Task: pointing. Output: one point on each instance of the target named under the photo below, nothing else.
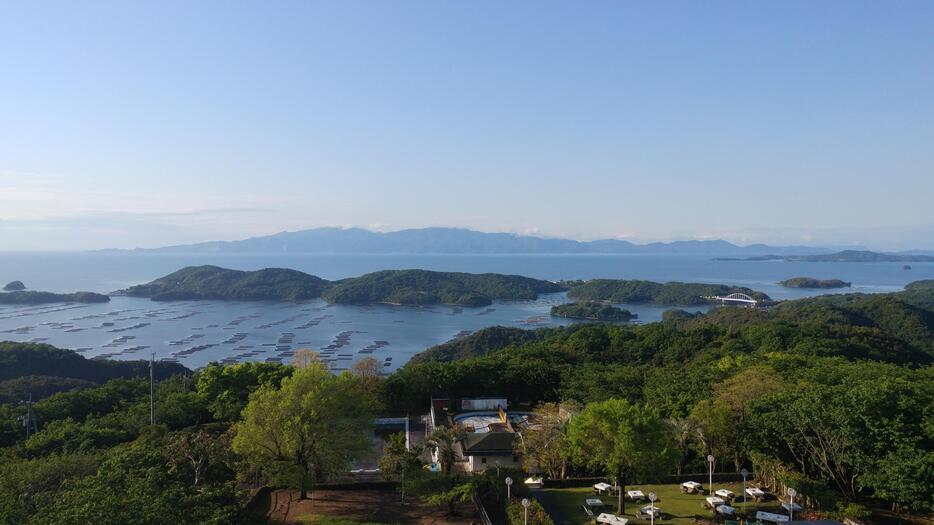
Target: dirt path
(375, 506)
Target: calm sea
(197, 332)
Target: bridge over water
(735, 299)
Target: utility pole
(152, 390)
(29, 420)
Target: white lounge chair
(611, 519)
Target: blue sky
(142, 124)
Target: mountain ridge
(459, 241)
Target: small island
(620, 291)
(843, 256)
(810, 282)
(215, 283)
(592, 311)
(32, 297)
(14, 286)
(424, 287)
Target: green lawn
(677, 508)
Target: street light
(710, 460)
(526, 503)
(508, 488)
(652, 498)
(744, 473)
(791, 505)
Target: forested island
(861, 256)
(14, 286)
(34, 297)
(810, 282)
(423, 287)
(213, 282)
(751, 386)
(842, 256)
(592, 311)
(673, 293)
(403, 287)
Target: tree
(683, 430)
(442, 442)
(311, 427)
(544, 445)
(226, 389)
(626, 440)
(720, 421)
(369, 372)
(401, 463)
(305, 358)
(452, 490)
(197, 449)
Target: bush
(849, 510)
(515, 513)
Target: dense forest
(593, 311)
(417, 287)
(674, 293)
(831, 394)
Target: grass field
(676, 508)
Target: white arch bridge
(737, 299)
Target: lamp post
(497, 468)
(402, 467)
(508, 488)
(744, 473)
(652, 498)
(710, 460)
(791, 505)
(525, 504)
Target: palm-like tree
(442, 442)
(683, 430)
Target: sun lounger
(724, 493)
(611, 519)
(725, 510)
(692, 487)
(757, 493)
(712, 502)
(770, 517)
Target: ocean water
(197, 332)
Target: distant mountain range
(456, 240)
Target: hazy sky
(124, 124)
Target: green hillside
(593, 311)
(673, 293)
(212, 282)
(34, 297)
(423, 287)
(810, 282)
